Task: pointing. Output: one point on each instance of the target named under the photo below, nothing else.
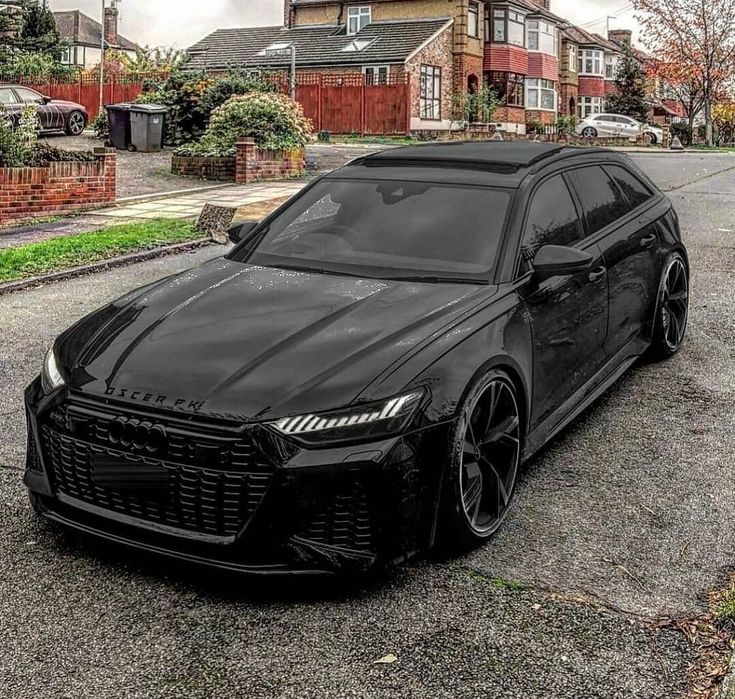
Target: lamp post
(281, 51)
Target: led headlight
(371, 420)
(51, 376)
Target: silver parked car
(617, 126)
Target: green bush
(231, 85)
(566, 126)
(101, 125)
(534, 127)
(273, 121)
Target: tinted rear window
(603, 202)
(636, 191)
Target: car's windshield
(386, 229)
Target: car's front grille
(342, 519)
(208, 482)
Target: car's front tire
(589, 132)
(76, 122)
(672, 310)
(650, 138)
(485, 447)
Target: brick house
(540, 65)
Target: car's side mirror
(239, 232)
(559, 260)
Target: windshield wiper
(434, 279)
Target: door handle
(597, 274)
(648, 241)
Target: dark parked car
(53, 115)
(369, 367)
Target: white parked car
(617, 126)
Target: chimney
(111, 17)
(287, 14)
(623, 37)
(545, 4)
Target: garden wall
(59, 188)
(206, 168)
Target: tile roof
(581, 37)
(78, 28)
(316, 45)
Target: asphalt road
(628, 516)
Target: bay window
(543, 37)
(540, 94)
(588, 106)
(509, 87)
(591, 62)
(430, 103)
(505, 26)
(357, 18)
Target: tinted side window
(552, 220)
(602, 200)
(636, 192)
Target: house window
(66, 55)
(572, 58)
(543, 37)
(358, 45)
(611, 66)
(510, 88)
(508, 27)
(376, 75)
(540, 94)
(588, 106)
(591, 62)
(357, 18)
(430, 106)
(473, 21)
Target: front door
(568, 314)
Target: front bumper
(260, 505)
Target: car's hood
(64, 104)
(256, 342)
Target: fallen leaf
(386, 660)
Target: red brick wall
(506, 58)
(59, 188)
(568, 92)
(510, 115)
(542, 65)
(437, 53)
(591, 87)
(253, 164)
(547, 118)
(206, 168)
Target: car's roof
(495, 162)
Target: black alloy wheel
(486, 454)
(75, 124)
(673, 310)
(589, 132)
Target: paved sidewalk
(191, 205)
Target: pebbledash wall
(58, 188)
(251, 164)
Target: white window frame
(596, 57)
(377, 76)
(356, 17)
(430, 92)
(544, 35)
(589, 106)
(536, 89)
(573, 67)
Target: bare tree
(696, 35)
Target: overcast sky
(181, 23)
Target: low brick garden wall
(58, 188)
(218, 169)
(251, 164)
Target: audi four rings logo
(138, 435)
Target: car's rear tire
(76, 122)
(672, 310)
(485, 447)
(650, 139)
(589, 132)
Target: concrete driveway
(628, 517)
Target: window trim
(376, 68)
(541, 88)
(540, 28)
(573, 59)
(509, 16)
(358, 12)
(473, 10)
(436, 75)
(582, 103)
(499, 78)
(593, 55)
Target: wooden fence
(340, 104)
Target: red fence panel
(386, 109)
(342, 109)
(309, 96)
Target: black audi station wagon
(369, 367)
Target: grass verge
(65, 252)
